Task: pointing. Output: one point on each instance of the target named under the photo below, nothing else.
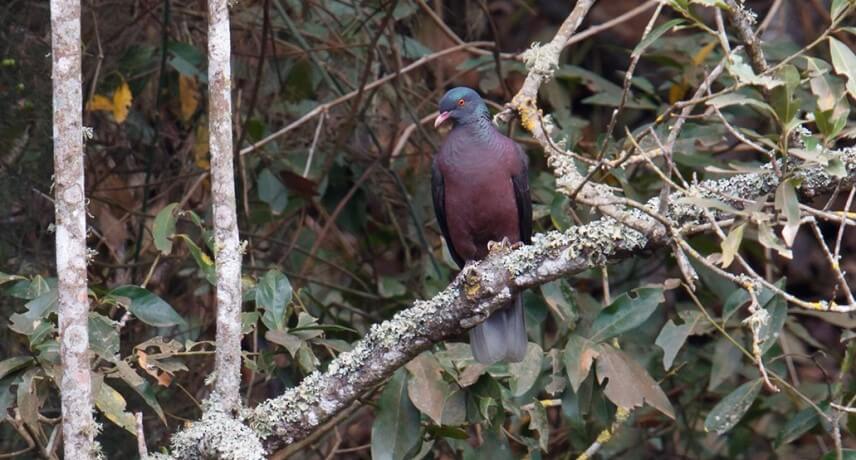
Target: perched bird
(480, 189)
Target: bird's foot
(501, 246)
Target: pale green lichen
(217, 435)
(542, 59)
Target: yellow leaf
(188, 93)
(677, 91)
(122, 102)
(99, 102)
(200, 147)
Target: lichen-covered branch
(742, 18)
(226, 243)
(78, 427)
(485, 286)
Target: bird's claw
(502, 246)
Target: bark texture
(226, 243)
(78, 428)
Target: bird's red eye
(461, 102)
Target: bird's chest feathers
(480, 198)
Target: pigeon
(480, 189)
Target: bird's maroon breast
(480, 207)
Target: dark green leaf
(846, 454)
(203, 261)
(526, 372)
(625, 313)
(732, 408)
(272, 191)
(37, 313)
(164, 228)
(654, 34)
(726, 362)
(7, 366)
(396, 433)
(103, 338)
(672, 338)
(148, 307)
(798, 425)
(273, 294)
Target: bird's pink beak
(441, 118)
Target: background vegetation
(333, 102)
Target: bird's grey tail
(502, 336)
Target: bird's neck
(478, 128)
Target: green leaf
(6, 396)
(112, 404)
(396, 433)
(526, 372)
(628, 384)
(141, 386)
(538, 422)
(782, 96)
(559, 297)
(714, 3)
(148, 307)
(203, 261)
(164, 228)
(273, 294)
(103, 338)
(731, 244)
(654, 34)
(777, 308)
(798, 425)
(844, 62)
(672, 337)
(578, 356)
(389, 287)
(37, 312)
(837, 8)
(5, 278)
(10, 365)
(730, 99)
(743, 72)
(788, 204)
(726, 362)
(625, 313)
(272, 191)
(732, 408)
(846, 454)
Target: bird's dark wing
(438, 193)
(521, 195)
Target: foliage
(339, 230)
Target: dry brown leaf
(628, 384)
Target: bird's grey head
(463, 106)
